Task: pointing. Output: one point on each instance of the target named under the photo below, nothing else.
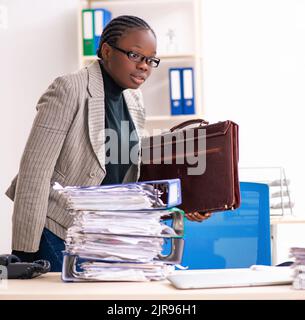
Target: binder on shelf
(182, 91)
(175, 82)
(87, 28)
(101, 19)
(188, 90)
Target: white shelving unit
(182, 17)
(281, 203)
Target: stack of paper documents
(112, 197)
(117, 235)
(118, 232)
(299, 267)
(126, 271)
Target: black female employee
(68, 141)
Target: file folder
(123, 245)
(101, 18)
(171, 191)
(162, 194)
(188, 91)
(71, 271)
(175, 82)
(87, 28)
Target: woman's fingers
(196, 216)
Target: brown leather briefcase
(205, 158)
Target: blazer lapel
(96, 112)
(138, 119)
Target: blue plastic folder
(101, 19)
(188, 90)
(176, 100)
(182, 91)
(170, 191)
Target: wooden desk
(51, 287)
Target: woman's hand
(196, 216)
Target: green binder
(88, 34)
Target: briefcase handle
(187, 123)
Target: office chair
(232, 239)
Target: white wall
(254, 74)
(39, 44)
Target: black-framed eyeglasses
(138, 57)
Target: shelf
(179, 16)
(286, 219)
(89, 57)
(179, 118)
(183, 19)
(179, 56)
(120, 3)
(162, 57)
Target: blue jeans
(50, 248)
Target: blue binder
(170, 190)
(176, 99)
(101, 18)
(188, 90)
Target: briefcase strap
(187, 123)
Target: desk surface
(51, 287)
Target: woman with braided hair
(71, 140)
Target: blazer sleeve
(56, 109)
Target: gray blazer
(67, 145)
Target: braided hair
(117, 27)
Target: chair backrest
(232, 239)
